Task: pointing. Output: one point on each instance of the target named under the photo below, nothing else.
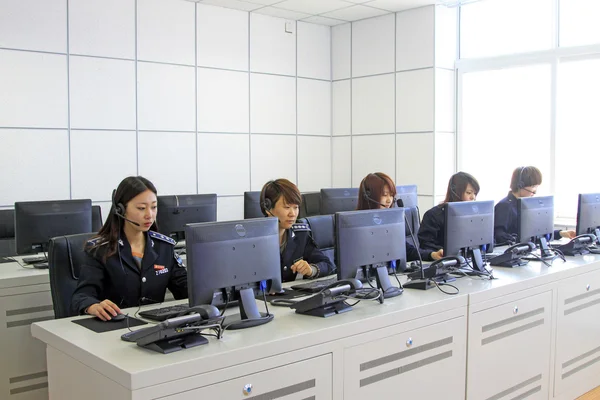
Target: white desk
(24, 298)
(548, 349)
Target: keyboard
(161, 314)
(34, 259)
(314, 286)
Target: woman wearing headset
(524, 183)
(377, 190)
(461, 187)
(299, 253)
(128, 263)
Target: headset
(520, 183)
(120, 209)
(453, 185)
(267, 203)
(367, 191)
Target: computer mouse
(206, 311)
(118, 317)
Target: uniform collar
(150, 253)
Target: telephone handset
(521, 248)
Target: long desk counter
(532, 333)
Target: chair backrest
(323, 231)
(96, 218)
(311, 204)
(412, 218)
(252, 205)
(65, 258)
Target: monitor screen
(469, 230)
(588, 214)
(337, 200)
(252, 205)
(370, 238)
(535, 223)
(238, 254)
(408, 194)
(174, 212)
(38, 221)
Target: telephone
(330, 300)
(512, 255)
(578, 245)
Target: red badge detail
(158, 267)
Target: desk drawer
(422, 363)
(308, 379)
(577, 363)
(509, 349)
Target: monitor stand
(545, 252)
(249, 315)
(383, 282)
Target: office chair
(252, 205)
(7, 233)
(65, 258)
(311, 204)
(412, 218)
(96, 218)
(323, 231)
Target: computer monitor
(469, 230)
(337, 200)
(238, 255)
(311, 204)
(38, 221)
(252, 205)
(588, 214)
(367, 241)
(536, 221)
(408, 194)
(174, 212)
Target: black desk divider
(99, 326)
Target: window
(498, 27)
(579, 22)
(505, 123)
(577, 133)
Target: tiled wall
(393, 99)
(199, 99)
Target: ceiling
(324, 12)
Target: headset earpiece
(119, 207)
(520, 183)
(267, 204)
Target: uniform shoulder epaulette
(300, 228)
(96, 241)
(160, 236)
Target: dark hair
(524, 177)
(111, 230)
(272, 191)
(458, 184)
(372, 187)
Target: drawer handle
(516, 310)
(409, 342)
(248, 389)
(587, 288)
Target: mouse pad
(99, 326)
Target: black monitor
(174, 212)
(337, 200)
(234, 254)
(535, 221)
(38, 221)
(408, 194)
(252, 205)
(588, 214)
(367, 241)
(311, 204)
(7, 224)
(469, 231)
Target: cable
(445, 284)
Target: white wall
(199, 99)
(393, 99)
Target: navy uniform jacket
(301, 244)
(127, 285)
(412, 253)
(506, 220)
(431, 232)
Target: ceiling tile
(312, 6)
(399, 5)
(235, 4)
(316, 19)
(354, 13)
(265, 2)
(281, 13)
(358, 1)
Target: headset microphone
(126, 219)
(120, 209)
(374, 201)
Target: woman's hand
(436, 255)
(104, 310)
(569, 234)
(302, 267)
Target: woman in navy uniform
(128, 263)
(461, 187)
(524, 183)
(299, 253)
(377, 190)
